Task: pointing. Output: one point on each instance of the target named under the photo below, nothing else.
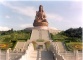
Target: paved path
(41, 55)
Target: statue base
(42, 27)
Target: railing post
(76, 54)
(7, 54)
(0, 54)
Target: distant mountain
(54, 30)
(28, 28)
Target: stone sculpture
(40, 18)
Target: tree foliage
(74, 32)
(71, 34)
(14, 35)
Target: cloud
(27, 11)
(26, 25)
(1, 1)
(7, 16)
(76, 5)
(20, 18)
(30, 11)
(52, 16)
(4, 28)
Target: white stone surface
(26, 56)
(40, 34)
(35, 34)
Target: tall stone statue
(40, 18)
(40, 14)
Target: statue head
(40, 8)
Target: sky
(61, 15)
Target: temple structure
(40, 18)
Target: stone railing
(54, 50)
(10, 55)
(67, 55)
(26, 56)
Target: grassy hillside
(72, 38)
(11, 37)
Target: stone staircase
(20, 46)
(33, 55)
(60, 47)
(41, 55)
(47, 55)
(62, 54)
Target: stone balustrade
(67, 55)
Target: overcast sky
(21, 14)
